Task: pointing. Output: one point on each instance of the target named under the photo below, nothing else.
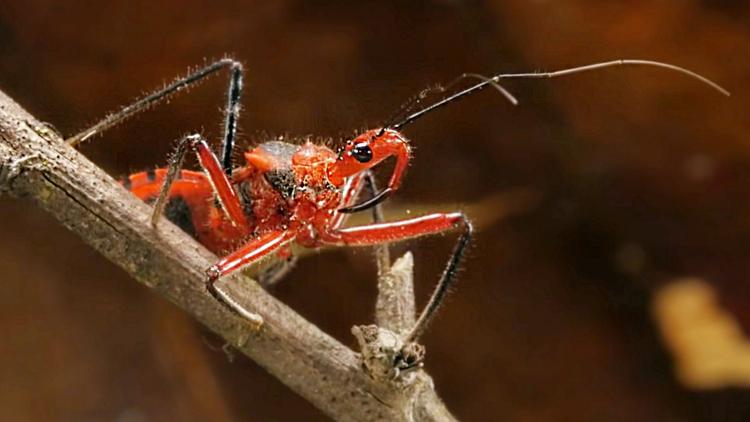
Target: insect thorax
(289, 186)
(281, 177)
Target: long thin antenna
(492, 81)
(441, 89)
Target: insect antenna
(376, 199)
(493, 81)
(441, 89)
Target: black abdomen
(178, 212)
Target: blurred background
(610, 279)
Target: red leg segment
(230, 202)
(217, 178)
(373, 234)
(251, 252)
(348, 195)
(355, 185)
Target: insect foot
(386, 357)
(410, 357)
(212, 276)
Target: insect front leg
(351, 192)
(375, 234)
(382, 254)
(364, 181)
(231, 110)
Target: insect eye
(362, 152)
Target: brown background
(550, 320)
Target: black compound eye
(362, 152)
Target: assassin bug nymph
(287, 193)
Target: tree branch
(37, 164)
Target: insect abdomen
(190, 205)
(178, 212)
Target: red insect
(286, 193)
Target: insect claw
(409, 358)
(212, 275)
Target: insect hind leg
(232, 108)
(396, 231)
(445, 282)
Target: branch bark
(395, 309)
(37, 164)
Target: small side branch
(395, 309)
(36, 163)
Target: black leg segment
(444, 284)
(231, 112)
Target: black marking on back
(246, 197)
(151, 175)
(282, 180)
(178, 212)
(126, 182)
(281, 151)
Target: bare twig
(36, 163)
(395, 309)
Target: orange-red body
(265, 204)
(281, 187)
(284, 193)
